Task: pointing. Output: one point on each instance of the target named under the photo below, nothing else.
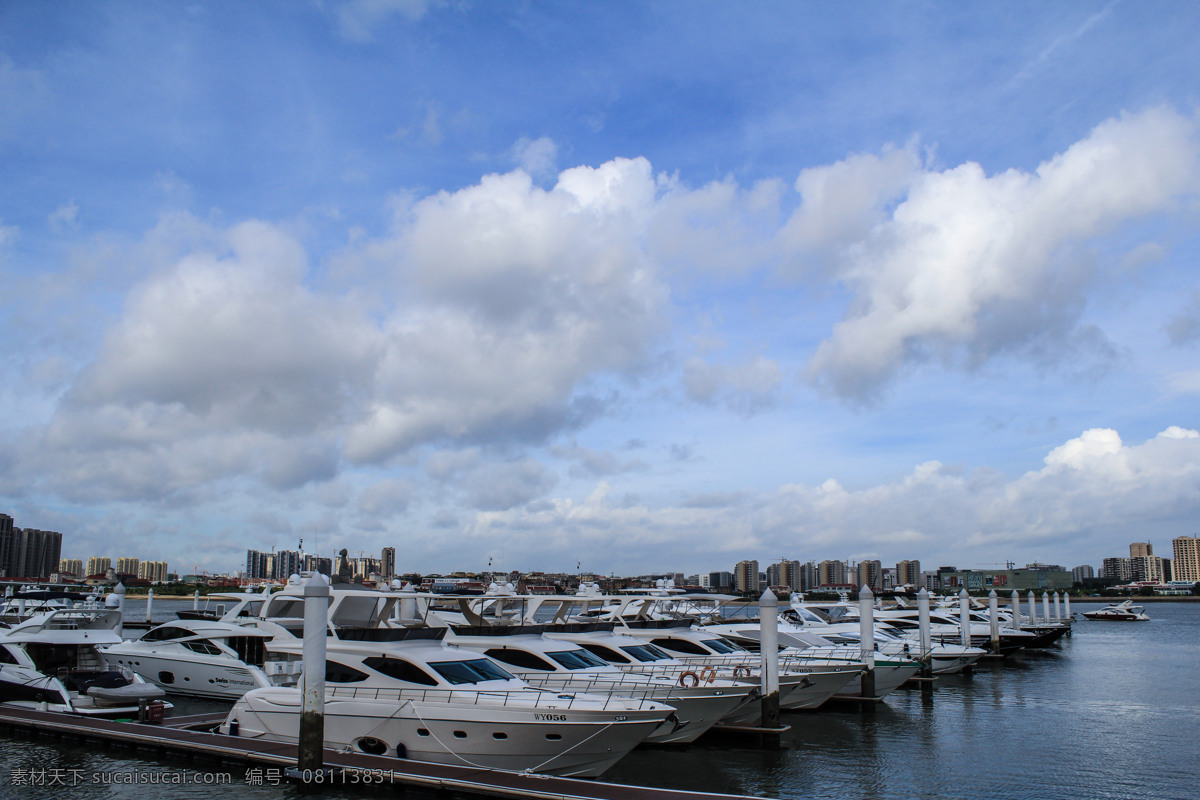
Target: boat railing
(518, 698)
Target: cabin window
(473, 671)
(400, 669)
(203, 647)
(723, 647)
(520, 659)
(681, 646)
(577, 659)
(646, 652)
(166, 633)
(340, 673)
(7, 657)
(607, 653)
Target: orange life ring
(689, 674)
(707, 674)
(741, 671)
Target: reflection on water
(1113, 712)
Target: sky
(619, 288)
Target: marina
(1112, 706)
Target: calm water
(1113, 712)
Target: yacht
(199, 658)
(1125, 611)
(51, 662)
(406, 693)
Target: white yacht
(50, 661)
(199, 658)
(1121, 612)
(405, 693)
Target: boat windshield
(577, 659)
(646, 652)
(473, 671)
(724, 647)
(808, 615)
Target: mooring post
(1046, 606)
(926, 642)
(1058, 607)
(964, 617)
(994, 614)
(1032, 598)
(1067, 599)
(196, 600)
(1016, 610)
(312, 716)
(866, 635)
(119, 591)
(768, 614)
(149, 606)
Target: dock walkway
(177, 736)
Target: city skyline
(636, 286)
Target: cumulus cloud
(745, 388)
(1092, 490)
(965, 265)
(522, 293)
(537, 157)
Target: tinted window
(201, 646)
(681, 646)
(722, 646)
(474, 671)
(646, 652)
(520, 658)
(400, 669)
(577, 659)
(165, 634)
(607, 653)
(340, 673)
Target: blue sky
(637, 286)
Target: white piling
(768, 615)
(1067, 603)
(923, 623)
(1046, 606)
(1057, 607)
(1016, 610)
(119, 591)
(994, 619)
(866, 633)
(149, 606)
(312, 717)
(964, 617)
(196, 600)
(1032, 598)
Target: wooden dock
(180, 736)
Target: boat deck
(179, 735)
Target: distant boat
(1120, 612)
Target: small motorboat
(1120, 612)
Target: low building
(1007, 580)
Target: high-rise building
(72, 567)
(1082, 572)
(286, 564)
(832, 573)
(28, 553)
(1118, 568)
(720, 581)
(98, 565)
(810, 576)
(745, 576)
(908, 573)
(387, 564)
(870, 574)
(257, 566)
(153, 571)
(128, 565)
(1186, 550)
(1140, 550)
(785, 573)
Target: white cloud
(746, 388)
(537, 157)
(64, 218)
(358, 19)
(968, 265)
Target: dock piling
(768, 611)
(866, 634)
(312, 713)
